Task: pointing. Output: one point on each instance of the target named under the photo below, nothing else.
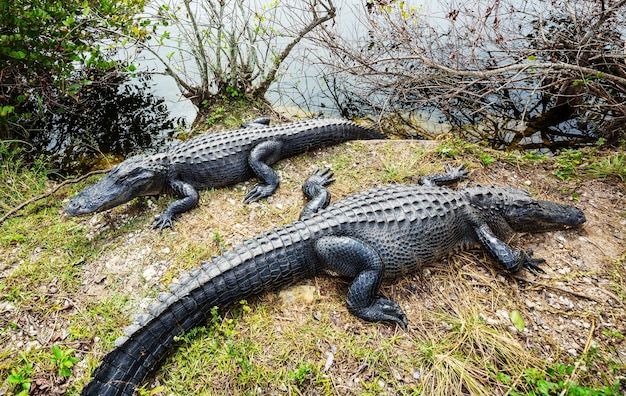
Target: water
(124, 117)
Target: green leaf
(517, 320)
(56, 351)
(532, 57)
(18, 54)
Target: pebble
(149, 273)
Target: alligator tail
(367, 133)
(268, 262)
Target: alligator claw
(164, 221)
(456, 172)
(321, 177)
(258, 192)
(453, 174)
(383, 309)
(532, 264)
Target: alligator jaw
(132, 178)
(97, 198)
(538, 216)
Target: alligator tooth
(120, 340)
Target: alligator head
(523, 213)
(132, 178)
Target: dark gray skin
(380, 233)
(214, 160)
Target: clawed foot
(532, 264)
(453, 174)
(164, 220)
(456, 172)
(383, 309)
(259, 191)
(319, 178)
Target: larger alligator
(380, 233)
(213, 160)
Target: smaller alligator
(214, 160)
(380, 233)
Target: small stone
(149, 273)
(301, 293)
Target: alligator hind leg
(351, 257)
(314, 188)
(261, 157)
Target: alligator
(214, 160)
(380, 233)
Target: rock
(302, 294)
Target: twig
(55, 189)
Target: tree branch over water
(231, 57)
(506, 71)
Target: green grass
(613, 165)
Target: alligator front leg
(261, 157)
(351, 257)
(512, 259)
(452, 175)
(314, 188)
(189, 201)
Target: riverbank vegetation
(51, 50)
(526, 74)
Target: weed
(301, 373)
(20, 379)
(216, 115)
(486, 159)
(613, 334)
(612, 166)
(568, 163)
(556, 380)
(64, 360)
(451, 148)
(528, 157)
(21, 180)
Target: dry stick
(30, 201)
